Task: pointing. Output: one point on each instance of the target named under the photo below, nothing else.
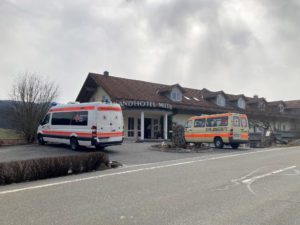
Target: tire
(235, 145)
(99, 147)
(74, 144)
(40, 139)
(218, 142)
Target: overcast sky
(239, 46)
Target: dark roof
(255, 100)
(117, 88)
(168, 88)
(293, 104)
(276, 103)
(210, 94)
(233, 98)
(193, 99)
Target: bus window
(217, 122)
(244, 122)
(199, 123)
(236, 121)
(189, 124)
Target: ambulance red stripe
(68, 109)
(109, 108)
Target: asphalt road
(128, 153)
(245, 187)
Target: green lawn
(9, 134)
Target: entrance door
(147, 128)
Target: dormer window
(241, 103)
(221, 101)
(281, 108)
(261, 106)
(176, 95)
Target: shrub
(42, 168)
(178, 136)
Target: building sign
(144, 104)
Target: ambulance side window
(45, 120)
(80, 118)
(61, 118)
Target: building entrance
(148, 128)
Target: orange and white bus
(220, 129)
(96, 124)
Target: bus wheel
(74, 143)
(235, 145)
(40, 139)
(218, 142)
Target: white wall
(279, 125)
(180, 119)
(99, 95)
(288, 125)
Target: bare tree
(31, 97)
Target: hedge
(42, 168)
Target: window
(241, 103)
(130, 127)
(236, 121)
(244, 122)
(281, 108)
(80, 118)
(189, 124)
(62, 118)
(217, 122)
(156, 128)
(199, 123)
(45, 120)
(221, 100)
(261, 106)
(176, 95)
(139, 127)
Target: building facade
(151, 109)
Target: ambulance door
(104, 124)
(188, 131)
(236, 126)
(244, 127)
(199, 130)
(116, 121)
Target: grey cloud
(198, 43)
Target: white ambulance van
(96, 124)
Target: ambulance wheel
(235, 145)
(40, 139)
(99, 147)
(218, 142)
(74, 144)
